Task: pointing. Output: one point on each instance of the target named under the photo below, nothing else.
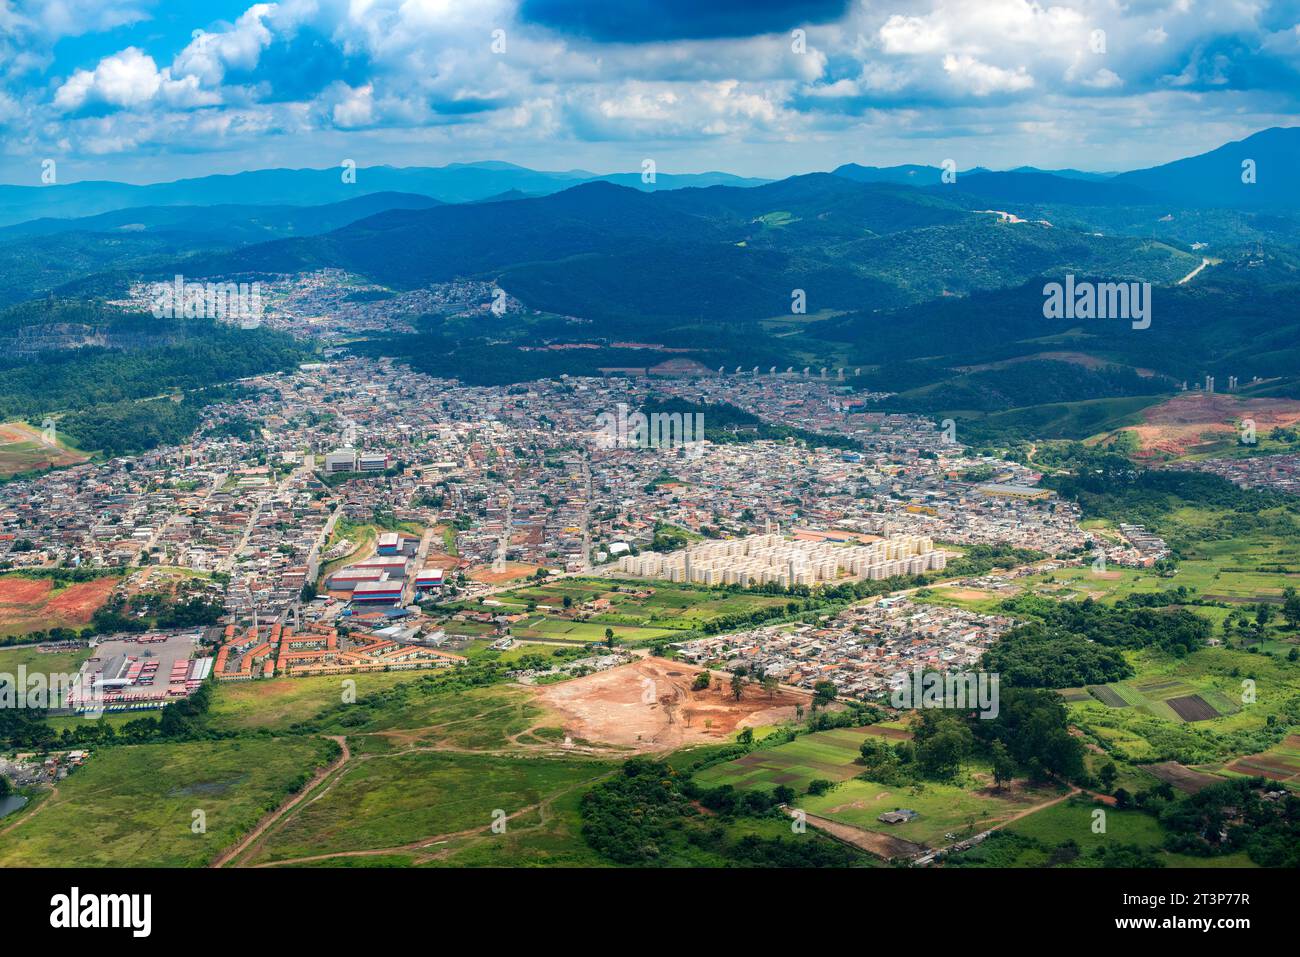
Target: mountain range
(934, 287)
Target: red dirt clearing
(79, 602)
(648, 705)
(1179, 425)
(24, 591)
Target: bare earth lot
(31, 604)
(648, 705)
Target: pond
(14, 802)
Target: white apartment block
(761, 559)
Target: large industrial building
(767, 558)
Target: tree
(942, 743)
(1004, 766)
(609, 638)
(1291, 606)
(1107, 775)
(737, 685)
(702, 681)
(770, 684)
(823, 694)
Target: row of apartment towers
(761, 559)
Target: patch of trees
(192, 354)
(1235, 816)
(1120, 626)
(649, 815)
(1029, 736)
(1123, 492)
(1033, 656)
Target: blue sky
(151, 90)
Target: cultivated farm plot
(1280, 763)
(1183, 778)
(1163, 697)
(828, 755)
(1074, 695)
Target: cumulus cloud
(507, 74)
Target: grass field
(133, 806)
(1075, 820)
(387, 801)
(280, 702)
(668, 611)
(27, 656)
(942, 809)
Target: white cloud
(124, 79)
(982, 79)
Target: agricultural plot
(1074, 695)
(1176, 775)
(1280, 763)
(134, 806)
(828, 755)
(1167, 698)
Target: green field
(828, 755)
(387, 801)
(670, 610)
(280, 702)
(55, 662)
(134, 806)
(942, 809)
(1075, 821)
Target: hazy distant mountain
(456, 183)
(1039, 188)
(908, 175)
(1215, 178)
(1063, 173)
(228, 223)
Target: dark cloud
(645, 21)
